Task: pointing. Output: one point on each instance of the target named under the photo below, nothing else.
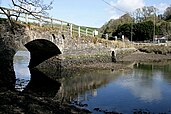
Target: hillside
(145, 24)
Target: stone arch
(41, 50)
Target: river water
(22, 72)
(145, 89)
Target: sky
(95, 13)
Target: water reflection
(148, 80)
(145, 88)
(84, 81)
(22, 72)
(142, 85)
(41, 85)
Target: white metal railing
(46, 21)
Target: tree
(165, 28)
(143, 31)
(167, 13)
(113, 24)
(8, 46)
(31, 7)
(124, 29)
(137, 14)
(145, 13)
(148, 11)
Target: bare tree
(31, 7)
(144, 13)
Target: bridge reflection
(68, 88)
(84, 81)
(40, 85)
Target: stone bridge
(52, 32)
(46, 43)
(42, 45)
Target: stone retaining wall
(64, 66)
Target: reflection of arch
(41, 85)
(41, 50)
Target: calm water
(146, 88)
(21, 62)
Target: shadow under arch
(41, 50)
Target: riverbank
(142, 57)
(124, 61)
(13, 102)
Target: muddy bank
(18, 103)
(125, 60)
(66, 65)
(142, 56)
(36, 98)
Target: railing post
(8, 11)
(61, 25)
(86, 31)
(26, 18)
(71, 30)
(51, 22)
(40, 21)
(93, 33)
(79, 32)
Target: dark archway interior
(41, 50)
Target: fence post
(26, 18)
(93, 33)
(61, 26)
(51, 22)
(71, 30)
(86, 31)
(79, 32)
(8, 11)
(40, 21)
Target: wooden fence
(46, 21)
